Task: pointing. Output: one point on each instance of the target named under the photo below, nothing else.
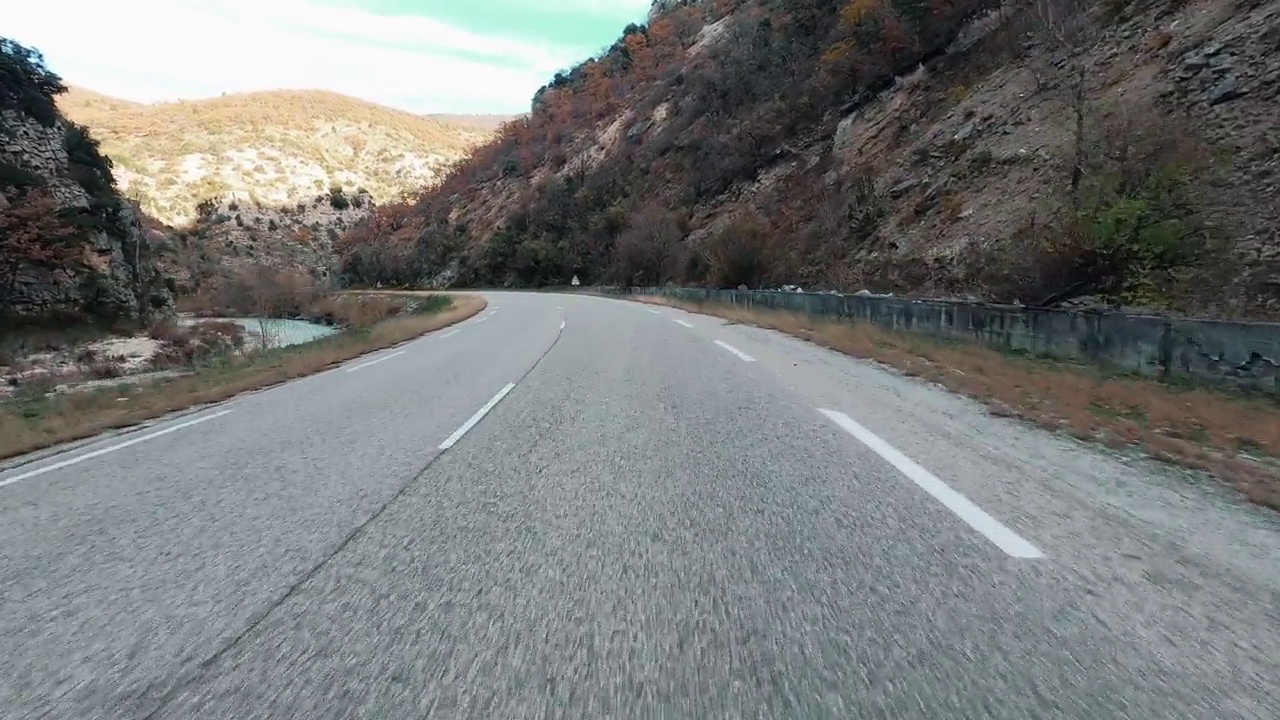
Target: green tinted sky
(454, 56)
(586, 26)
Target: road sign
(576, 282)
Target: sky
(424, 56)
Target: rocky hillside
(1043, 151)
(70, 247)
(231, 238)
(268, 148)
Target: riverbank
(207, 368)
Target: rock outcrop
(233, 235)
(1030, 152)
(661, 7)
(71, 247)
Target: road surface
(578, 507)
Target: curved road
(576, 507)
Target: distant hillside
(85, 103)
(269, 148)
(484, 122)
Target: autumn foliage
(34, 236)
(620, 151)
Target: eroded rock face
(27, 143)
(115, 275)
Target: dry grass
(265, 291)
(33, 420)
(278, 145)
(1233, 437)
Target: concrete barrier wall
(1221, 352)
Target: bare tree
(1066, 25)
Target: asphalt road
(574, 507)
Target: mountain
(1119, 152)
(268, 148)
(71, 248)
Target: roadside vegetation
(200, 362)
(1231, 435)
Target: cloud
(602, 8)
(149, 50)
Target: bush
(89, 167)
(168, 331)
(192, 345)
(648, 251)
(218, 332)
(26, 84)
(34, 232)
(1137, 226)
(338, 199)
(742, 253)
(105, 369)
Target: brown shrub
(223, 331)
(648, 249)
(168, 331)
(744, 253)
(105, 369)
(33, 233)
(260, 291)
(197, 343)
(365, 311)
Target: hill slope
(488, 123)
(270, 148)
(1030, 150)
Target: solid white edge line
(111, 448)
(688, 325)
(457, 434)
(375, 362)
(745, 357)
(977, 518)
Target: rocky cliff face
(70, 246)
(42, 150)
(1037, 151)
(232, 236)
